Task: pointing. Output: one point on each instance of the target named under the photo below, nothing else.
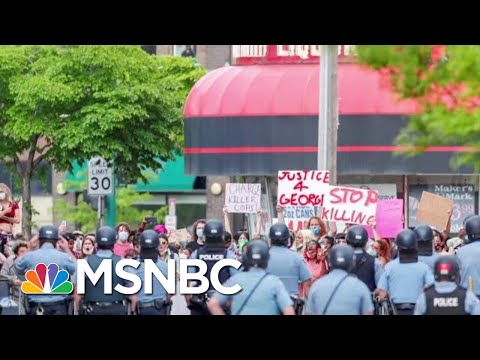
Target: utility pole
(328, 114)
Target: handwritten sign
(433, 210)
(302, 188)
(385, 191)
(243, 198)
(463, 197)
(350, 205)
(295, 216)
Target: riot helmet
(213, 232)
(279, 234)
(447, 268)
(257, 254)
(424, 240)
(341, 257)
(472, 227)
(357, 236)
(48, 232)
(106, 237)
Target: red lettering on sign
(335, 197)
(359, 219)
(325, 213)
(372, 197)
(300, 186)
(326, 179)
(356, 196)
(322, 176)
(286, 174)
(296, 199)
(282, 200)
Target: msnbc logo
(39, 283)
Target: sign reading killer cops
(243, 198)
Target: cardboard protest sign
(433, 210)
(463, 197)
(350, 205)
(389, 217)
(243, 198)
(295, 216)
(302, 188)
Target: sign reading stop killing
(243, 198)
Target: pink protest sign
(389, 217)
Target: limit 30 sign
(100, 177)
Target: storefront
(261, 116)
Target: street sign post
(100, 177)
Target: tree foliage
(61, 104)
(445, 83)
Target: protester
(122, 244)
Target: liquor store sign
(285, 54)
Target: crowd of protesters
(314, 245)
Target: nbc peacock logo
(47, 280)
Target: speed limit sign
(100, 177)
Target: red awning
(269, 90)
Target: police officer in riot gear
(446, 297)
(469, 256)
(95, 301)
(367, 268)
(287, 265)
(425, 245)
(261, 294)
(339, 293)
(212, 252)
(157, 303)
(48, 254)
(405, 277)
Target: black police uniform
(447, 269)
(364, 268)
(212, 252)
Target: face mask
(315, 230)
(3, 195)
(183, 256)
(372, 252)
(123, 235)
(199, 233)
(299, 246)
(324, 247)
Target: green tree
(445, 83)
(126, 200)
(61, 104)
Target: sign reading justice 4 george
(302, 188)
